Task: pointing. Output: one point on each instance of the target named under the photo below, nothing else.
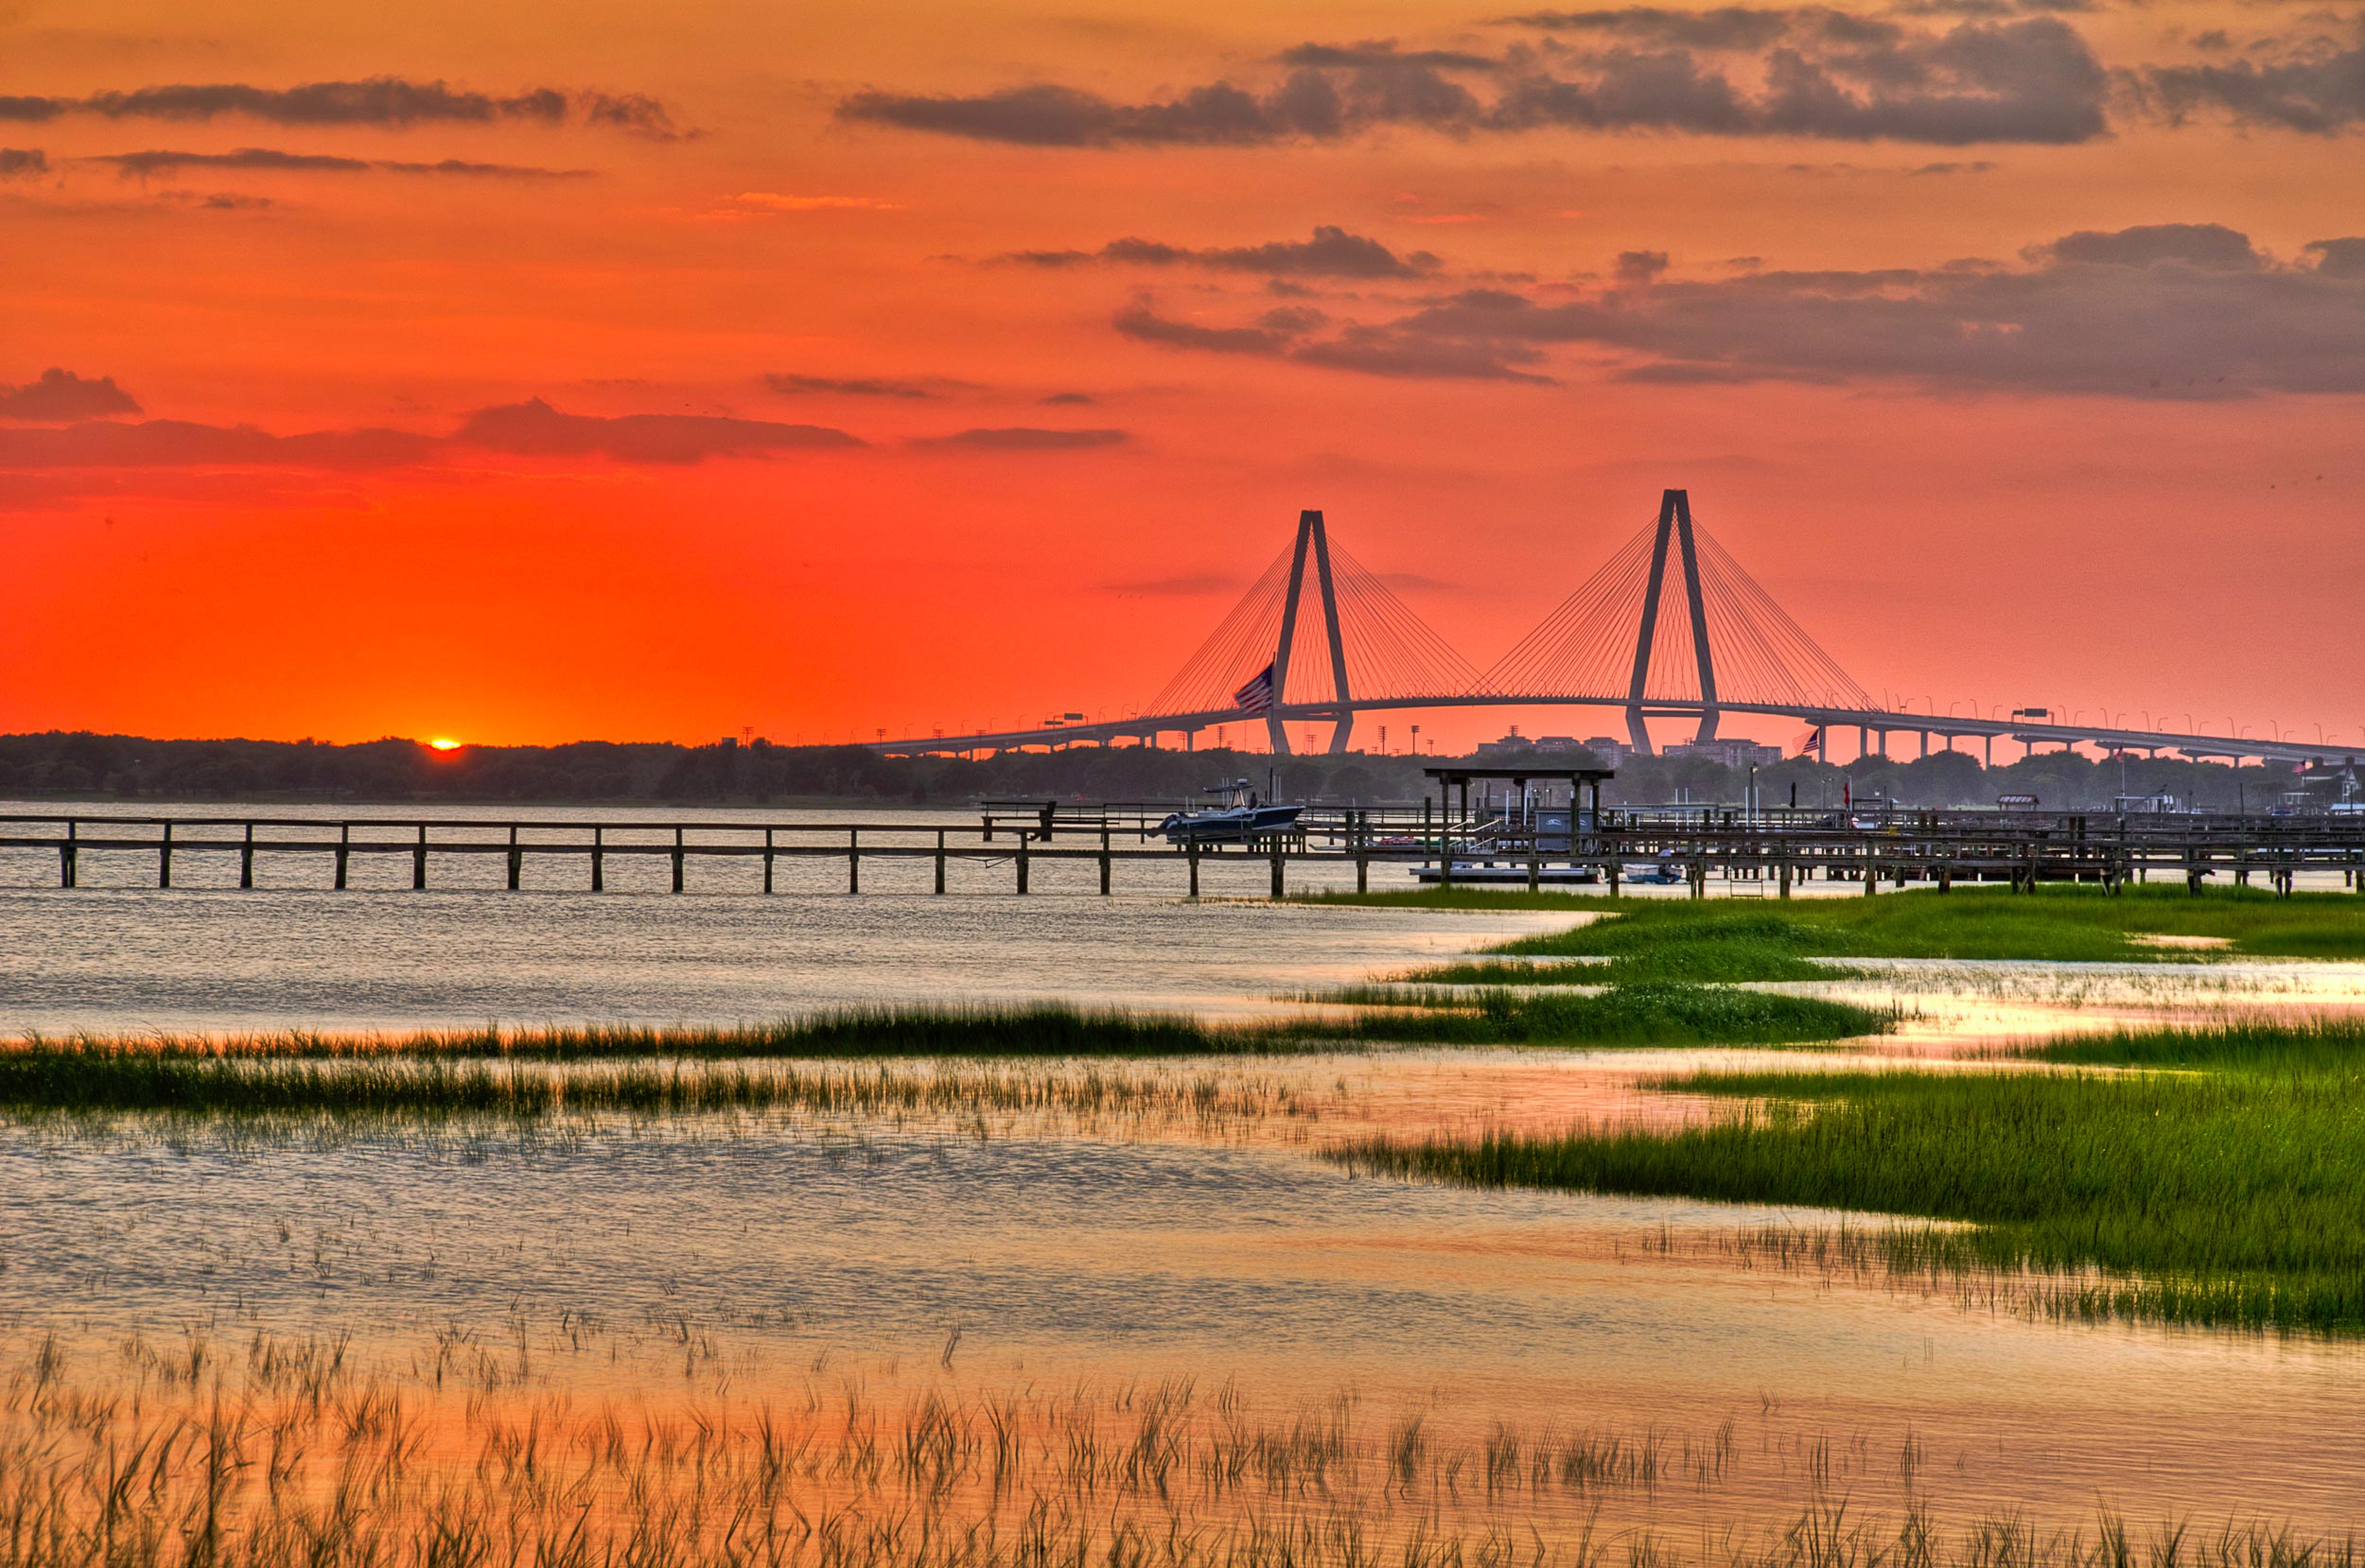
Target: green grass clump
(2231, 1193)
(1624, 1015)
(1714, 939)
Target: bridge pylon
(1310, 534)
(1675, 523)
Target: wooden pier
(1753, 853)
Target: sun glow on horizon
(446, 744)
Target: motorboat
(1240, 819)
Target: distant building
(1610, 752)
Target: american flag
(1257, 695)
(1807, 743)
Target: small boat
(1241, 819)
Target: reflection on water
(747, 1258)
(1056, 1260)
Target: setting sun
(441, 743)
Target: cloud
(2164, 310)
(23, 161)
(1809, 72)
(2170, 310)
(1332, 253)
(533, 428)
(387, 102)
(1140, 321)
(2317, 85)
(272, 160)
(1640, 266)
(1022, 437)
(2211, 245)
(1369, 350)
(791, 385)
(62, 397)
(1045, 115)
(178, 443)
(1067, 400)
(2339, 258)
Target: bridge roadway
(1869, 723)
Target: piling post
(599, 860)
(1191, 853)
(418, 861)
(1946, 875)
(853, 861)
(939, 859)
(70, 855)
(1022, 862)
(1362, 872)
(516, 858)
(1276, 867)
(767, 859)
(1536, 874)
(1104, 861)
(164, 859)
(677, 859)
(246, 859)
(1616, 866)
(1871, 875)
(344, 852)
(1784, 874)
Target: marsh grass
(2228, 1193)
(287, 1456)
(1720, 940)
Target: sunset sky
(533, 373)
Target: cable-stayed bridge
(1671, 626)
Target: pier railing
(1943, 847)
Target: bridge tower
(1310, 532)
(1675, 521)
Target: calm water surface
(1089, 1255)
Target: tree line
(62, 765)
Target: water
(750, 1250)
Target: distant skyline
(532, 373)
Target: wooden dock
(1769, 852)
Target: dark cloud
(62, 397)
(2317, 85)
(793, 385)
(1371, 349)
(1067, 400)
(2159, 311)
(1383, 351)
(1139, 321)
(1811, 71)
(1640, 266)
(178, 443)
(1719, 27)
(634, 112)
(1332, 253)
(16, 161)
(2339, 258)
(272, 159)
(533, 428)
(2200, 244)
(1024, 438)
(383, 101)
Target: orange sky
(1978, 460)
